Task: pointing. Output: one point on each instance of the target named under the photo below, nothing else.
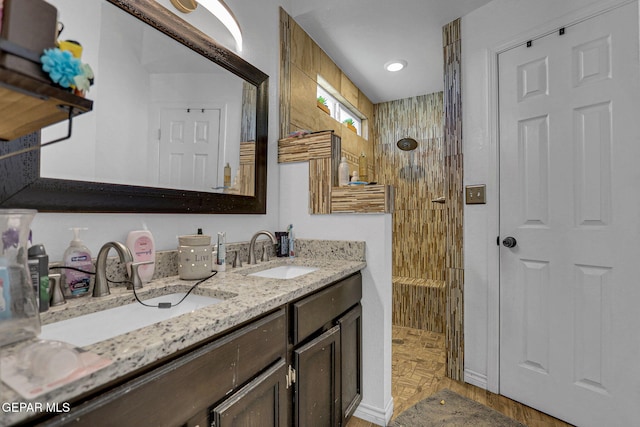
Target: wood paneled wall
(418, 176)
(301, 61)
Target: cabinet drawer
(313, 312)
(178, 390)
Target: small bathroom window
(339, 108)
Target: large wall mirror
(173, 114)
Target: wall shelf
(376, 198)
(27, 104)
(323, 151)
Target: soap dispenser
(78, 256)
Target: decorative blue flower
(84, 81)
(61, 66)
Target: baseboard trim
(475, 378)
(374, 415)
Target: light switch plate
(475, 194)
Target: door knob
(510, 242)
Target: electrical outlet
(475, 194)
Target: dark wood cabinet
(351, 361)
(327, 354)
(261, 403)
(299, 365)
(317, 386)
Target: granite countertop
(245, 297)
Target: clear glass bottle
(19, 316)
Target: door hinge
(290, 376)
(498, 240)
(159, 134)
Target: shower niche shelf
(323, 151)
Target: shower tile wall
(419, 234)
(454, 341)
(419, 225)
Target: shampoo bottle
(227, 176)
(362, 167)
(343, 173)
(143, 248)
(78, 256)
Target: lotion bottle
(343, 173)
(143, 248)
(77, 255)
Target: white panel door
(570, 197)
(189, 144)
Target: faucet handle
(265, 253)
(236, 261)
(57, 297)
(136, 282)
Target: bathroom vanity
(274, 352)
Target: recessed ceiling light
(395, 65)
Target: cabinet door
(351, 361)
(317, 384)
(261, 403)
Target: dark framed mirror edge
(24, 188)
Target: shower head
(407, 144)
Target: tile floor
(418, 371)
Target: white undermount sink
(284, 272)
(102, 325)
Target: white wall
(375, 230)
(85, 28)
(494, 27)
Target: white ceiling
(362, 35)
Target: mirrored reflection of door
(189, 141)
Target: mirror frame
(25, 188)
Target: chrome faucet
(101, 286)
(252, 244)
